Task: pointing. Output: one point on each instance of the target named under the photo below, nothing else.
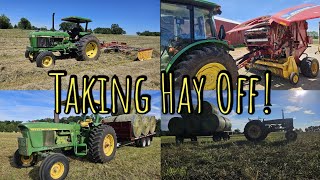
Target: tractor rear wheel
(55, 166)
(255, 131)
(102, 144)
(88, 48)
(291, 135)
(45, 59)
(309, 67)
(207, 61)
(24, 161)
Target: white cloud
(308, 112)
(290, 109)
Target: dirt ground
(16, 72)
(279, 83)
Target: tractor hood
(46, 126)
(48, 34)
(298, 13)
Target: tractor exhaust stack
(53, 22)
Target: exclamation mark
(267, 101)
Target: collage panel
(75, 146)
(211, 145)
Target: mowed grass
(16, 72)
(129, 163)
(238, 158)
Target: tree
(313, 34)
(24, 24)
(66, 26)
(236, 131)
(5, 22)
(116, 29)
(15, 26)
(148, 33)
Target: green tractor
(76, 43)
(88, 137)
(189, 42)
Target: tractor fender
(176, 58)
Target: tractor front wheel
(309, 67)
(24, 161)
(294, 78)
(88, 48)
(291, 135)
(54, 166)
(102, 144)
(255, 131)
(45, 59)
(206, 61)
(29, 55)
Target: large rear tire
(55, 166)
(207, 61)
(291, 136)
(309, 67)
(255, 131)
(88, 48)
(102, 144)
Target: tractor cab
(183, 24)
(77, 31)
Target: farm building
(235, 38)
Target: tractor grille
(48, 138)
(45, 42)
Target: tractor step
(83, 150)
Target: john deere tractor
(50, 141)
(76, 43)
(189, 42)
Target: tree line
(24, 23)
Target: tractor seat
(86, 123)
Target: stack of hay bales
(206, 123)
(140, 124)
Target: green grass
(238, 158)
(130, 163)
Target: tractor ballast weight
(277, 42)
(47, 46)
(190, 44)
(257, 130)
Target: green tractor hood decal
(45, 126)
(224, 44)
(48, 33)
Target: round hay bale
(193, 125)
(176, 126)
(121, 109)
(153, 124)
(208, 108)
(136, 122)
(146, 125)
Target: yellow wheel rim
(47, 61)
(26, 160)
(108, 145)
(295, 78)
(211, 72)
(314, 68)
(57, 170)
(30, 55)
(91, 49)
(254, 131)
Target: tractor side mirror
(222, 33)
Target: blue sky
(33, 104)
(133, 16)
(244, 10)
(301, 105)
